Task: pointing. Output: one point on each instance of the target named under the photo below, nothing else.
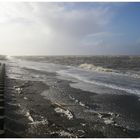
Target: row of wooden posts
(2, 85)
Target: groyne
(2, 85)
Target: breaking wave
(94, 68)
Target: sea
(100, 74)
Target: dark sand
(31, 111)
(18, 121)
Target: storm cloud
(55, 28)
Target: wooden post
(2, 85)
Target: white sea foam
(128, 90)
(108, 85)
(28, 115)
(135, 75)
(43, 122)
(76, 101)
(66, 112)
(64, 133)
(94, 68)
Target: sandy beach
(54, 109)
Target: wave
(95, 68)
(134, 75)
(92, 67)
(112, 86)
(98, 83)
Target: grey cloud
(51, 28)
(77, 22)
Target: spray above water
(95, 68)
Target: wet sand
(54, 109)
(28, 114)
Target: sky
(44, 28)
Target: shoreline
(30, 114)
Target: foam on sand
(60, 109)
(66, 112)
